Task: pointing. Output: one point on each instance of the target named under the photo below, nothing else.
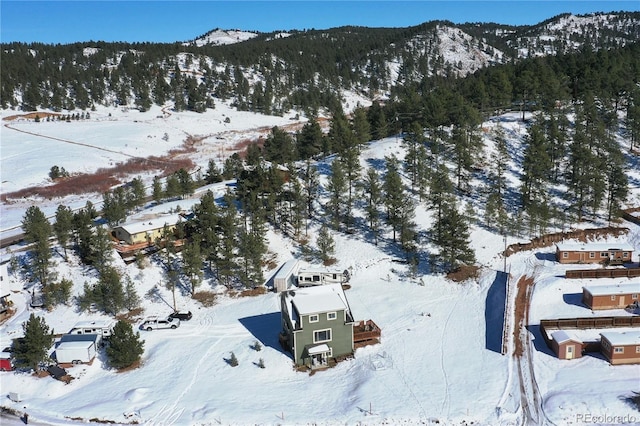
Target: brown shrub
(206, 298)
(463, 273)
(253, 291)
(103, 179)
(132, 316)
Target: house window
(592, 255)
(618, 350)
(634, 296)
(638, 349)
(331, 315)
(565, 254)
(320, 336)
(605, 344)
(613, 297)
(604, 254)
(625, 254)
(314, 318)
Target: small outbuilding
(565, 346)
(621, 347)
(610, 296)
(606, 253)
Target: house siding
(341, 341)
(608, 301)
(592, 256)
(630, 353)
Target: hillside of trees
(306, 70)
(569, 171)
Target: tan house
(621, 347)
(147, 230)
(565, 346)
(610, 296)
(606, 253)
(5, 301)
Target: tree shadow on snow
(265, 329)
(494, 312)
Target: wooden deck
(366, 333)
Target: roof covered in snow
(313, 300)
(613, 289)
(578, 246)
(135, 228)
(562, 336)
(625, 338)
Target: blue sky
(168, 21)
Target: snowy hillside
(219, 37)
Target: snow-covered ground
(439, 358)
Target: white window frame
(604, 254)
(314, 318)
(315, 333)
(565, 254)
(634, 296)
(618, 350)
(332, 314)
(614, 297)
(625, 254)
(592, 255)
(638, 349)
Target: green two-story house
(317, 324)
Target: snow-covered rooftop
(624, 338)
(313, 300)
(562, 336)
(578, 246)
(152, 224)
(613, 289)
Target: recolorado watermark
(606, 418)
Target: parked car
(181, 315)
(155, 323)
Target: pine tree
(311, 185)
(310, 140)
(125, 347)
(451, 234)
(361, 127)
(157, 192)
(131, 298)
(373, 193)
(32, 349)
(325, 243)
(212, 175)
(233, 361)
(394, 196)
(136, 194)
(336, 188)
(63, 227)
(37, 230)
(101, 248)
(192, 263)
(57, 293)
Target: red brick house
(610, 296)
(565, 346)
(621, 347)
(606, 253)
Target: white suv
(155, 323)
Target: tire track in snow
(175, 412)
(446, 402)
